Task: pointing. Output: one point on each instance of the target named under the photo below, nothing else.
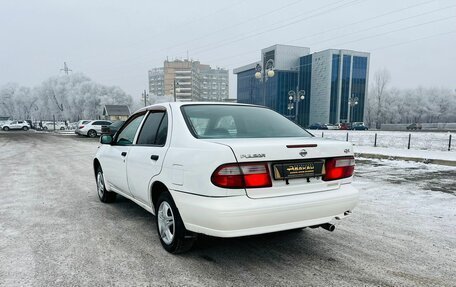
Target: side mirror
(106, 139)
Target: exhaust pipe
(328, 226)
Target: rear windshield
(232, 121)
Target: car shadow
(285, 244)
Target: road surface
(55, 231)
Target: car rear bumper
(241, 215)
(80, 132)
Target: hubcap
(166, 226)
(100, 184)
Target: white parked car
(92, 128)
(224, 170)
(16, 125)
(49, 126)
(80, 125)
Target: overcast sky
(116, 42)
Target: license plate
(297, 170)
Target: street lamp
(263, 74)
(145, 96)
(294, 97)
(352, 102)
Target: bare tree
(381, 80)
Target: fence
(402, 140)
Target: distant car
(359, 126)
(93, 128)
(49, 126)
(80, 125)
(414, 127)
(113, 128)
(344, 126)
(16, 125)
(332, 127)
(318, 126)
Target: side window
(162, 131)
(148, 133)
(127, 135)
(96, 123)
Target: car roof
(162, 106)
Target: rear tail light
(81, 127)
(242, 176)
(338, 168)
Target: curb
(415, 159)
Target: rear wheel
(171, 230)
(25, 128)
(92, 133)
(6, 128)
(103, 194)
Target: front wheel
(6, 128)
(103, 194)
(25, 128)
(171, 230)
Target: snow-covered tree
(68, 97)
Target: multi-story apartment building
(186, 80)
(214, 84)
(156, 84)
(327, 79)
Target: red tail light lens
(228, 176)
(81, 127)
(338, 168)
(242, 176)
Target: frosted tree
(378, 96)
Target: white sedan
(224, 170)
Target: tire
(170, 228)
(62, 128)
(92, 133)
(25, 128)
(6, 129)
(103, 194)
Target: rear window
(232, 121)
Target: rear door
(146, 157)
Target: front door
(114, 159)
(145, 158)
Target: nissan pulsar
(224, 170)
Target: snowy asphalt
(55, 232)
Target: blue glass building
(328, 79)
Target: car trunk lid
(288, 159)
